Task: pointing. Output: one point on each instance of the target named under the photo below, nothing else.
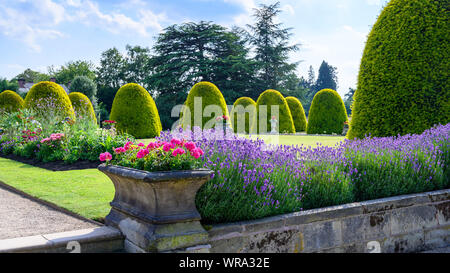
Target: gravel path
(20, 217)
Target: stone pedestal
(156, 211)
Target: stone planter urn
(156, 211)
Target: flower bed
(52, 140)
(253, 180)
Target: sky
(39, 33)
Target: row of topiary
(49, 98)
(135, 111)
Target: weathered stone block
(322, 214)
(411, 219)
(270, 223)
(443, 213)
(230, 245)
(413, 242)
(377, 225)
(436, 238)
(390, 203)
(322, 235)
(225, 230)
(438, 196)
(352, 229)
(283, 241)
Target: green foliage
(271, 98)
(32, 76)
(83, 84)
(135, 112)
(210, 95)
(247, 111)
(188, 53)
(8, 85)
(82, 106)
(10, 101)
(403, 83)
(327, 114)
(298, 113)
(48, 99)
(68, 72)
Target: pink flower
(175, 141)
(141, 144)
(197, 152)
(167, 147)
(190, 145)
(127, 145)
(105, 157)
(119, 150)
(142, 153)
(178, 151)
(151, 146)
(45, 140)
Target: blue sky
(38, 33)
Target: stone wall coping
(155, 176)
(287, 221)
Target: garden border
(406, 223)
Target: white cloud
(33, 21)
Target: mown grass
(85, 192)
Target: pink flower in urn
(190, 145)
(105, 157)
(142, 153)
(167, 147)
(178, 151)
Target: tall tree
(192, 52)
(327, 77)
(110, 72)
(271, 46)
(348, 100)
(135, 66)
(32, 76)
(67, 73)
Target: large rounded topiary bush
(244, 110)
(271, 98)
(49, 101)
(10, 101)
(210, 95)
(82, 106)
(135, 112)
(327, 113)
(298, 113)
(403, 83)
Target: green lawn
(88, 192)
(85, 192)
(306, 140)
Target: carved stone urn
(156, 211)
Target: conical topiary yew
(327, 113)
(403, 82)
(298, 113)
(243, 115)
(10, 101)
(82, 106)
(135, 112)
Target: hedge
(82, 106)
(135, 112)
(210, 95)
(403, 82)
(298, 113)
(49, 100)
(244, 107)
(327, 113)
(271, 98)
(10, 101)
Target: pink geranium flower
(178, 151)
(105, 157)
(167, 147)
(190, 145)
(142, 153)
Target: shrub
(82, 106)
(327, 113)
(49, 100)
(403, 83)
(84, 85)
(271, 98)
(135, 112)
(10, 101)
(247, 111)
(298, 113)
(210, 95)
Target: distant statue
(273, 124)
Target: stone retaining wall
(409, 223)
